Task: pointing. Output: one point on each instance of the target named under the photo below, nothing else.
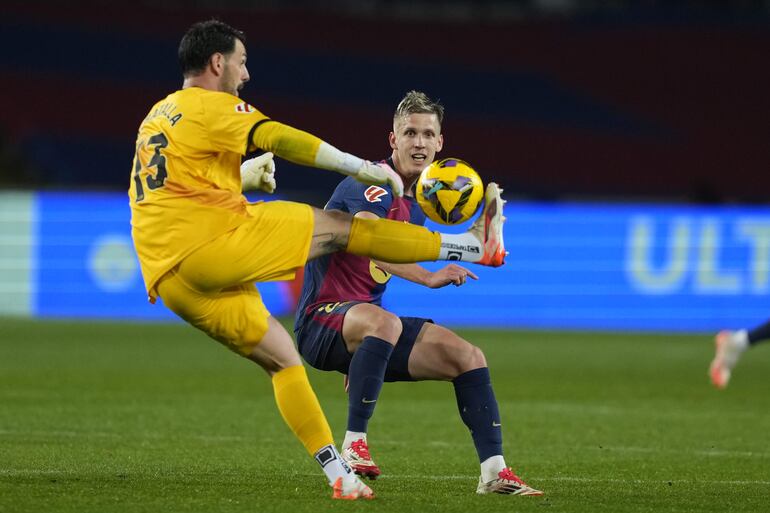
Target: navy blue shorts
(320, 342)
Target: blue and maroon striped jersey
(341, 276)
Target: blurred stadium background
(631, 139)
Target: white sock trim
(352, 436)
(741, 338)
(492, 466)
(460, 246)
(331, 463)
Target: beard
(230, 84)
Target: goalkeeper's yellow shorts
(213, 288)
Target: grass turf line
(154, 417)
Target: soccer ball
(449, 191)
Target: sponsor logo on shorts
(330, 307)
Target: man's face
(234, 73)
(415, 140)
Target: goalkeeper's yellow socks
(392, 241)
(300, 409)
(403, 243)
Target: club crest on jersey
(374, 193)
(244, 108)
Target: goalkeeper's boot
(488, 228)
(729, 347)
(506, 483)
(358, 458)
(351, 488)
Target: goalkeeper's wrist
(329, 157)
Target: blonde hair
(417, 102)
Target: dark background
(555, 99)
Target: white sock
(460, 246)
(352, 436)
(332, 463)
(741, 338)
(492, 466)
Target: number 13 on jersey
(156, 177)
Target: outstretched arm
(306, 149)
(451, 273)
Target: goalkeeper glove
(380, 174)
(258, 173)
(329, 157)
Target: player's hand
(380, 174)
(258, 173)
(452, 273)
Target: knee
(476, 358)
(386, 326)
(470, 358)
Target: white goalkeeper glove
(380, 174)
(258, 173)
(329, 157)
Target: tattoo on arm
(329, 242)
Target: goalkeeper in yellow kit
(202, 245)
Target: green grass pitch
(98, 417)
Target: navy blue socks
(478, 409)
(366, 375)
(759, 333)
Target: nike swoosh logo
(368, 401)
(496, 424)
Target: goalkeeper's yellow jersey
(185, 183)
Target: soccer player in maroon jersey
(341, 325)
